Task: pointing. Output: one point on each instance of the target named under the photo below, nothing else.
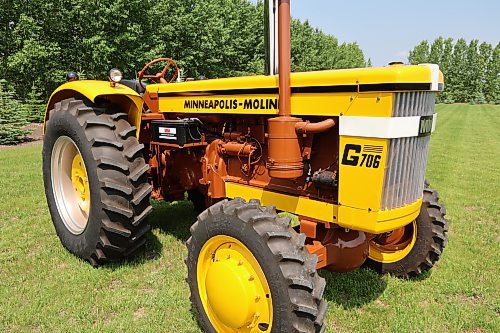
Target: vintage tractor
(344, 151)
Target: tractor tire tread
(297, 266)
(120, 164)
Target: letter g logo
(350, 157)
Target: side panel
(361, 172)
(354, 92)
(347, 217)
(293, 204)
(303, 104)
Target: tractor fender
(127, 99)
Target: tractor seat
(134, 85)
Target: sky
(387, 29)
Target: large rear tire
(96, 181)
(248, 271)
(412, 250)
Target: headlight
(115, 75)
(72, 76)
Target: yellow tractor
(344, 151)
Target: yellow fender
(129, 101)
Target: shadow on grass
(151, 251)
(173, 218)
(353, 289)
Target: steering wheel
(161, 76)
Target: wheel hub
(80, 183)
(233, 288)
(395, 245)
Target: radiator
(407, 157)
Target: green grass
(45, 289)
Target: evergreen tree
(34, 106)
(11, 117)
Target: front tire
(233, 239)
(414, 249)
(95, 181)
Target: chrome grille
(407, 158)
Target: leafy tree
(471, 70)
(458, 72)
(11, 117)
(492, 77)
(445, 65)
(420, 54)
(312, 49)
(474, 74)
(436, 52)
(40, 40)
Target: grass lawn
(45, 289)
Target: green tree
(445, 65)
(471, 71)
(485, 54)
(458, 72)
(474, 75)
(11, 117)
(40, 40)
(420, 54)
(436, 51)
(34, 106)
(492, 77)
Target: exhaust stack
(285, 154)
(271, 37)
(284, 147)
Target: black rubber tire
(296, 287)
(117, 175)
(432, 237)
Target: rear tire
(117, 179)
(431, 239)
(295, 286)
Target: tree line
(41, 40)
(471, 71)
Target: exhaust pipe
(270, 35)
(284, 148)
(285, 155)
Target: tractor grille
(407, 159)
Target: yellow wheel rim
(395, 245)
(80, 183)
(233, 288)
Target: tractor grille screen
(407, 160)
